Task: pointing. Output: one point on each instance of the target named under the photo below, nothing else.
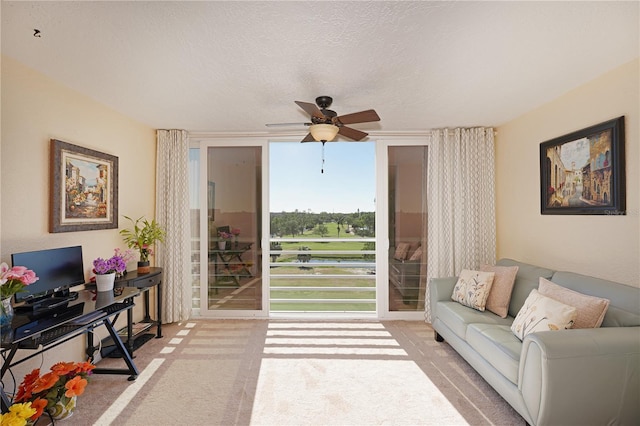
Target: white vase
(222, 245)
(105, 282)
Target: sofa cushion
(472, 288)
(498, 346)
(591, 309)
(401, 251)
(526, 280)
(457, 317)
(501, 289)
(417, 255)
(623, 309)
(542, 313)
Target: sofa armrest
(586, 376)
(441, 289)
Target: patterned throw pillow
(472, 288)
(542, 313)
(500, 294)
(591, 309)
(401, 251)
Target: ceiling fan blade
(310, 109)
(354, 134)
(287, 124)
(308, 138)
(359, 117)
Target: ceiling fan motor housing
(324, 101)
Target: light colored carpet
(259, 372)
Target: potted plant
(224, 237)
(56, 391)
(143, 235)
(107, 270)
(12, 281)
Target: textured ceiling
(235, 66)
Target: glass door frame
(382, 224)
(220, 141)
(382, 217)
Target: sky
(575, 155)
(88, 170)
(347, 184)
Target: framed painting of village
(583, 173)
(84, 189)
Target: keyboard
(48, 336)
(114, 308)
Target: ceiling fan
(326, 124)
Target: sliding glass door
(228, 240)
(407, 180)
(262, 246)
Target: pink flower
(29, 277)
(235, 231)
(13, 280)
(126, 255)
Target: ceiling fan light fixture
(323, 132)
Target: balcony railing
(318, 275)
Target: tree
(340, 221)
(321, 230)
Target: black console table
(144, 283)
(44, 330)
(228, 263)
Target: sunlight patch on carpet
(320, 333)
(331, 341)
(336, 351)
(328, 325)
(343, 373)
(294, 391)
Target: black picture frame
(84, 188)
(593, 181)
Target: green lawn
(317, 269)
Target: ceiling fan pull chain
(322, 168)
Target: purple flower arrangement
(116, 264)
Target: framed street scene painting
(583, 173)
(84, 189)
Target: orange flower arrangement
(65, 381)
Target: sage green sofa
(566, 377)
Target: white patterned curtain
(461, 202)
(172, 212)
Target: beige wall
(36, 109)
(602, 246)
